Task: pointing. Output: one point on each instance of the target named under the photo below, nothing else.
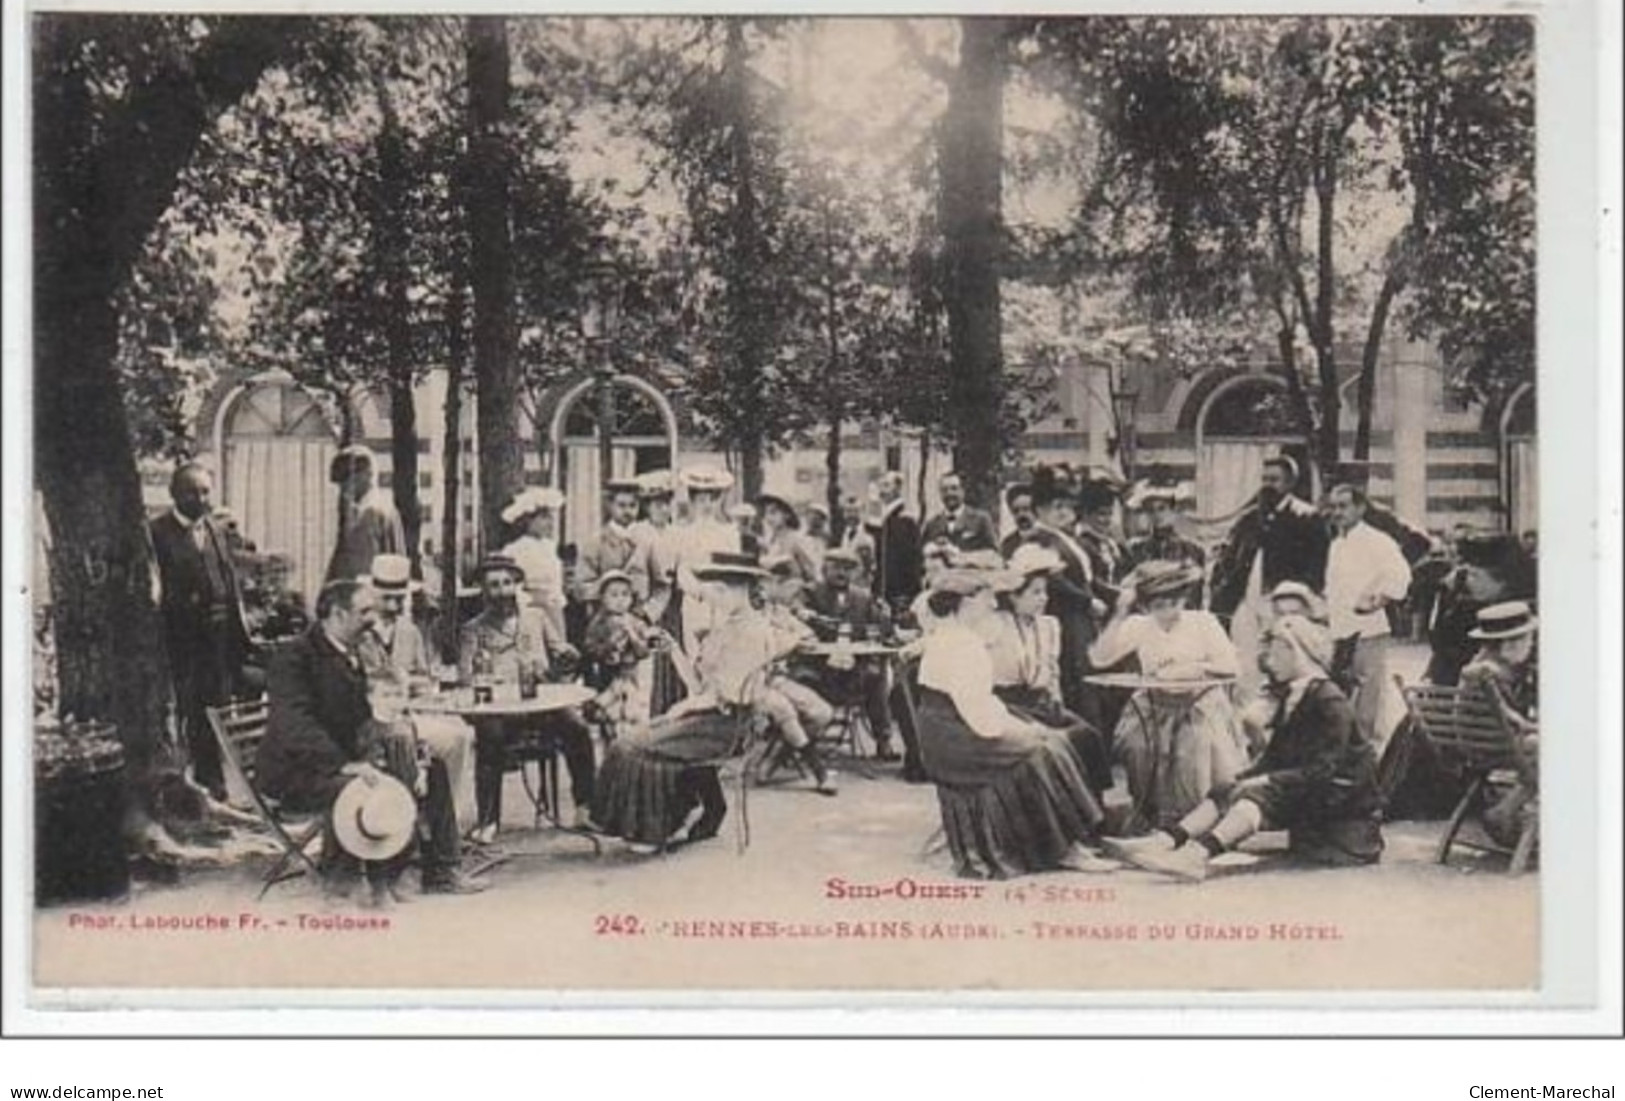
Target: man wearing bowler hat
(512, 643)
(322, 735)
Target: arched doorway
(1242, 422)
(275, 444)
(1520, 472)
(644, 430)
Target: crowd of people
(1234, 690)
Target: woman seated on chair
(652, 780)
(1025, 645)
(1174, 748)
(1504, 671)
(1012, 794)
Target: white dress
(1175, 748)
(544, 574)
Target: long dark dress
(647, 790)
(1010, 805)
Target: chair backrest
(1462, 723)
(238, 730)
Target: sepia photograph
(969, 503)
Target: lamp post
(600, 318)
(1125, 399)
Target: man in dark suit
(1097, 506)
(834, 604)
(899, 561)
(1072, 599)
(968, 529)
(322, 734)
(202, 612)
(1282, 532)
(1019, 500)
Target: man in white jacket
(1365, 572)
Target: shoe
(483, 835)
(884, 752)
(1126, 848)
(1081, 859)
(642, 848)
(453, 883)
(1188, 862)
(703, 830)
(827, 785)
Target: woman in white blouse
(533, 515)
(1025, 647)
(705, 532)
(1012, 795)
(1177, 743)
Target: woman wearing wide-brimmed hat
(1011, 791)
(658, 488)
(1025, 645)
(705, 532)
(533, 515)
(652, 780)
(1173, 755)
(781, 536)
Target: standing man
(371, 524)
(618, 546)
(1019, 500)
(1162, 541)
(1072, 598)
(853, 535)
(1279, 538)
(899, 563)
(1365, 572)
(968, 529)
(202, 611)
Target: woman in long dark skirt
(1025, 645)
(1012, 794)
(650, 784)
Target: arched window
(275, 447)
(1244, 421)
(644, 431)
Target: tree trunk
(451, 461)
(101, 185)
(1366, 388)
(1329, 444)
(971, 164)
(497, 376)
(747, 307)
(836, 410)
(392, 245)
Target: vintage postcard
(989, 505)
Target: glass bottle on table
(483, 678)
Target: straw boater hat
(730, 567)
(392, 573)
(493, 562)
(656, 483)
(1297, 590)
(792, 518)
(623, 485)
(530, 501)
(742, 511)
(374, 821)
(1159, 578)
(1512, 619)
(707, 479)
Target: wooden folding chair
(238, 729)
(1470, 733)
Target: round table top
(1156, 684)
(864, 649)
(549, 697)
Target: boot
(823, 782)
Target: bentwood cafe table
(529, 743)
(1163, 707)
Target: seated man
(1504, 671)
(393, 653)
(322, 734)
(832, 606)
(511, 643)
(1317, 777)
(796, 711)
